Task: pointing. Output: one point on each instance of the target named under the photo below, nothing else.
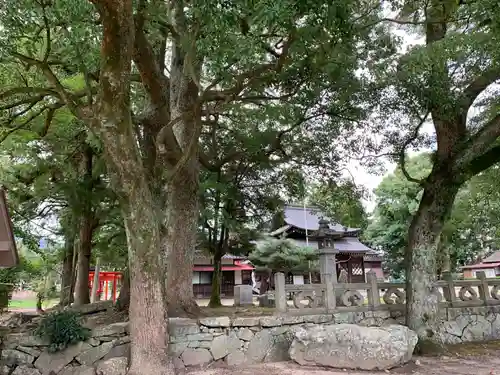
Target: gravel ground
(488, 365)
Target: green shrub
(62, 329)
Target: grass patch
(31, 304)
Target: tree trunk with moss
(422, 304)
(87, 225)
(148, 310)
(179, 240)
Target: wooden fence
(330, 296)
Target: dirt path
(489, 365)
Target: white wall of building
(237, 278)
(490, 272)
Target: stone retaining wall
(236, 341)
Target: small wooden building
(235, 271)
(490, 266)
(302, 224)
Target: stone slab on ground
(427, 366)
(354, 347)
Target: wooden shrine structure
(308, 226)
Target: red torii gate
(105, 277)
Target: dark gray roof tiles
(308, 218)
(493, 258)
(350, 245)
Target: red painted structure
(104, 279)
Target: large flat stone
(178, 348)
(55, 362)
(223, 345)
(15, 339)
(246, 322)
(196, 357)
(25, 370)
(111, 330)
(119, 351)
(271, 321)
(77, 370)
(349, 346)
(179, 327)
(16, 357)
(29, 350)
(92, 355)
(236, 358)
(217, 322)
(200, 337)
(259, 346)
(245, 334)
(113, 366)
(480, 330)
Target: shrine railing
(373, 295)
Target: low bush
(62, 329)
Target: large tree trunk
(67, 279)
(179, 241)
(181, 223)
(215, 300)
(421, 257)
(82, 295)
(123, 301)
(148, 317)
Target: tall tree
(297, 55)
(244, 55)
(469, 233)
(447, 82)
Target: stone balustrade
(328, 297)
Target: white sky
(362, 176)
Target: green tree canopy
(341, 201)
(470, 232)
(283, 255)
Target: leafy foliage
(342, 201)
(471, 231)
(62, 329)
(283, 255)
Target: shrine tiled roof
(308, 218)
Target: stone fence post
(483, 288)
(328, 271)
(279, 291)
(374, 292)
(449, 290)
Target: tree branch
(402, 152)
(30, 118)
(48, 38)
(43, 91)
(480, 143)
(484, 161)
(476, 87)
(247, 78)
(53, 80)
(155, 82)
